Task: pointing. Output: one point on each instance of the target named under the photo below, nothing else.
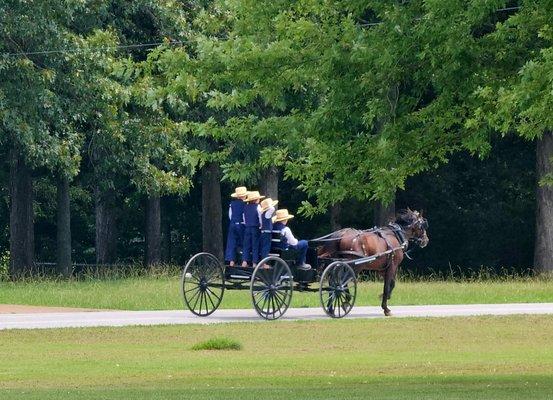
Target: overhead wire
(155, 44)
(514, 8)
(99, 48)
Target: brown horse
(390, 242)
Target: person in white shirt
(287, 237)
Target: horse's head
(414, 225)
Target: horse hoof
(387, 313)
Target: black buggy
(272, 282)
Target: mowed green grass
(454, 358)
(163, 292)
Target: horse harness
(390, 250)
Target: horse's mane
(405, 217)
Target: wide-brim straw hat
(267, 203)
(282, 215)
(254, 195)
(240, 191)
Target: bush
(5, 265)
(218, 344)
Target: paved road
(126, 318)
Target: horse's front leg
(392, 286)
(386, 294)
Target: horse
(390, 242)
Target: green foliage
(218, 343)
(4, 265)
(349, 99)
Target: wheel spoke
(212, 274)
(284, 295)
(189, 290)
(280, 298)
(198, 291)
(272, 304)
(263, 297)
(329, 302)
(340, 302)
(214, 294)
(346, 279)
(208, 296)
(260, 292)
(261, 277)
(277, 272)
(265, 303)
(335, 302)
(197, 299)
(193, 277)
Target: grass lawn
(162, 293)
(454, 358)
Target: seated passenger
(288, 241)
(266, 213)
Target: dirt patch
(21, 309)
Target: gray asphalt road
(127, 318)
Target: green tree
(37, 109)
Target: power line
(154, 44)
(514, 8)
(81, 50)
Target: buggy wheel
(271, 288)
(203, 284)
(338, 289)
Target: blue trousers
(235, 240)
(301, 247)
(264, 245)
(250, 249)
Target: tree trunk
(212, 231)
(22, 239)
(335, 212)
(106, 230)
(543, 253)
(269, 183)
(384, 213)
(63, 250)
(165, 233)
(153, 230)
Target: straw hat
(268, 202)
(254, 196)
(240, 191)
(282, 215)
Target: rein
(330, 237)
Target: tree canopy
(350, 100)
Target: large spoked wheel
(338, 289)
(203, 284)
(271, 288)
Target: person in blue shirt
(266, 213)
(250, 249)
(288, 240)
(235, 236)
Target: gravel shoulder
(23, 309)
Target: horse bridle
(420, 223)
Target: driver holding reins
(287, 237)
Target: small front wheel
(271, 288)
(203, 284)
(338, 289)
